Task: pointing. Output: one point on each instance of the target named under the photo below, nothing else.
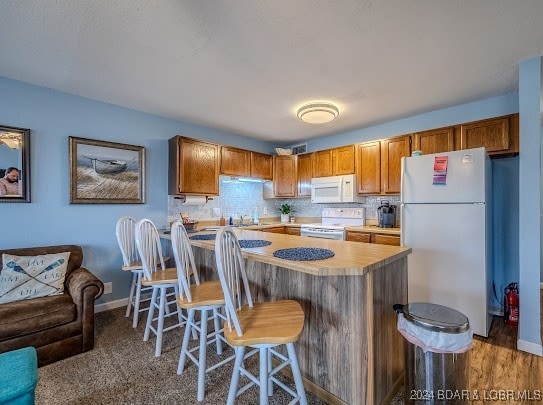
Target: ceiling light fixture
(318, 113)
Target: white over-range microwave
(334, 189)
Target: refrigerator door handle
(402, 179)
(402, 221)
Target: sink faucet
(241, 217)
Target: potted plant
(286, 209)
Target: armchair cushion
(24, 317)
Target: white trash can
(436, 353)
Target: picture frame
(15, 157)
(103, 172)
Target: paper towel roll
(193, 199)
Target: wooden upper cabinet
(261, 166)
(392, 152)
(304, 175)
(434, 141)
(194, 167)
(493, 134)
(368, 167)
(235, 162)
(343, 160)
(322, 163)
(285, 180)
(334, 162)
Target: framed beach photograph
(104, 172)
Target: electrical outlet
(265, 211)
(216, 212)
(108, 288)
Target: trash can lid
(437, 318)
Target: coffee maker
(386, 215)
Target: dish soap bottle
(255, 216)
(222, 221)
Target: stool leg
(263, 376)
(202, 355)
(296, 373)
(178, 308)
(270, 382)
(160, 327)
(150, 315)
(131, 296)
(186, 339)
(217, 326)
(138, 277)
(240, 353)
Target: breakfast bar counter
(350, 351)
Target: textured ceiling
(245, 66)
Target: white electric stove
(334, 221)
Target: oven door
(323, 233)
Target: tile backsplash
(241, 198)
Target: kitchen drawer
(359, 237)
(381, 239)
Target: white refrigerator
(446, 220)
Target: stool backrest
(125, 231)
(184, 259)
(231, 269)
(149, 248)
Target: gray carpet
(122, 369)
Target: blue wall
(49, 219)
(505, 172)
(530, 175)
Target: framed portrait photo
(14, 165)
(103, 172)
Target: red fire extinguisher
(511, 305)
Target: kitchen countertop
(369, 229)
(351, 258)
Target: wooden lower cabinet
(383, 239)
(275, 229)
(293, 231)
(377, 238)
(359, 237)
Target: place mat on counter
(209, 236)
(303, 254)
(188, 231)
(253, 243)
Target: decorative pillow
(26, 277)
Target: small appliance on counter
(386, 215)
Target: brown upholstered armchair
(59, 326)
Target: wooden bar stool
(262, 326)
(125, 231)
(159, 278)
(202, 297)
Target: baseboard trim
(530, 347)
(106, 306)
